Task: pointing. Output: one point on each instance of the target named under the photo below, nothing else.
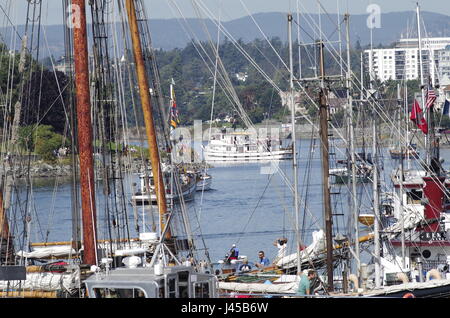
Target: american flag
(431, 97)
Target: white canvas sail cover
(134, 247)
(45, 252)
(411, 218)
(284, 288)
(45, 281)
(316, 248)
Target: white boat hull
(204, 184)
(146, 199)
(219, 156)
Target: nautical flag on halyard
(174, 120)
(446, 108)
(417, 117)
(431, 97)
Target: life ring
(409, 295)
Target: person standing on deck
(234, 252)
(281, 244)
(262, 260)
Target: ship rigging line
(36, 18)
(262, 72)
(146, 39)
(12, 24)
(212, 101)
(229, 86)
(250, 59)
(287, 181)
(378, 108)
(255, 208)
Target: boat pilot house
(171, 282)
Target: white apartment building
(444, 66)
(402, 61)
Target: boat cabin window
(119, 293)
(161, 292)
(183, 284)
(172, 286)
(201, 289)
(414, 196)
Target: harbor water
(250, 205)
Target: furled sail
(315, 249)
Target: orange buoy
(409, 295)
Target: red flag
(417, 117)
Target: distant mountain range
(168, 34)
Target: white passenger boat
(241, 146)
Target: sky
(231, 9)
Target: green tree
(46, 142)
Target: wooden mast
(294, 144)
(148, 116)
(352, 171)
(323, 115)
(6, 246)
(85, 148)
